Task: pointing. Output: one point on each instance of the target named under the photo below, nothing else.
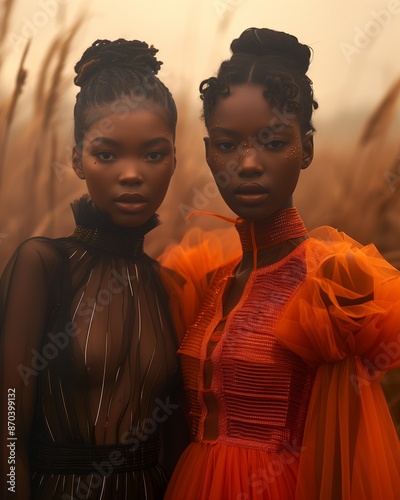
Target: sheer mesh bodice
(89, 347)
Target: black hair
(274, 59)
(114, 70)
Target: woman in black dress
(87, 350)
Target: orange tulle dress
(284, 392)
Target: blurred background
(353, 183)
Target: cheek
(159, 181)
(97, 182)
(224, 170)
(92, 169)
(294, 152)
(161, 187)
(94, 179)
(290, 179)
(216, 160)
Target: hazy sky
(355, 42)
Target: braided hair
(109, 71)
(270, 58)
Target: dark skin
(263, 156)
(133, 155)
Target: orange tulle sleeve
(350, 446)
(195, 258)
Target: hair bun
(264, 41)
(106, 53)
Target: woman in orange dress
(283, 362)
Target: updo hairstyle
(270, 58)
(118, 70)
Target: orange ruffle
(194, 259)
(350, 447)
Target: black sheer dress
(88, 363)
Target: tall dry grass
(370, 209)
(35, 185)
(356, 192)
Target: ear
(207, 148)
(77, 162)
(308, 150)
(175, 161)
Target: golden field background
(353, 184)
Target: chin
(255, 216)
(129, 222)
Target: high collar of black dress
(94, 229)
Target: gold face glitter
(294, 153)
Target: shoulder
(200, 252)
(344, 273)
(339, 249)
(41, 248)
(339, 243)
(38, 254)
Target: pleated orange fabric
(219, 472)
(284, 392)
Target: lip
(250, 194)
(131, 203)
(250, 188)
(131, 198)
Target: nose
(249, 163)
(131, 173)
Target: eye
(105, 156)
(225, 146)
(155, 156)
(275, 145)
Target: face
(127, 160)
(255, 153)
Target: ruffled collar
(94, 229)
(282, 226)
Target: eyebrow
(112, 142)
(273, 128)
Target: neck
(267, 235)
(95, 230)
